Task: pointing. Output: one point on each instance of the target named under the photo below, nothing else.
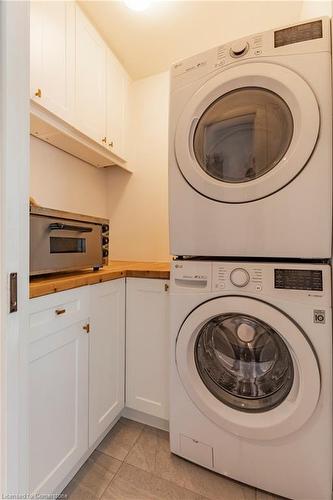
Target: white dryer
(251, 373)
(250, 147)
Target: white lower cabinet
(77, 369)
(147, 346)
(58, 387)
(106, 356)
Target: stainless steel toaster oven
(64, 241)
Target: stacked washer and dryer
(250, 183)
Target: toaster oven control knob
(239, 49)
(105, 240)
(105, 252)
(239, 277)
(105, 228)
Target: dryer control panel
(302, 38)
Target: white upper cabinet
(52, 38)
(117, 87)
(106, 356)
(90, 80)
(79, 85)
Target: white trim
(14, 165)
(144, 418)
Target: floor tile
(121, 438)
(151, 453)
(143, 453)
(93, 478)
(132, 483)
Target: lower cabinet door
(107, 355)
(147, 346)
(58, 401)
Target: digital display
(298, 279)
(67, 245)
(299, 33)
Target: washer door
(247, 132)
(248, 367)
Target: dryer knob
(239, 49)
(239, 277)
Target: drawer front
(51, 313)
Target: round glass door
(243, 135)
(244, 362)
(248, 367)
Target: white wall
(59, 180)
(138, 203)
(316, 8)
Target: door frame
(14, 245)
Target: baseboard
(144, 418)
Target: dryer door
(247, 132)
(248, 367)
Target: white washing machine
(251, 373)
(250, 147)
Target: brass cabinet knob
(38, 93)
(86, 328)
(111, 144)
(60, 311)
(104, 140)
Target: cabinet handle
(60, 311)
(86, 327)
(38, 93)
(104, 140)
(111, 144)
(166, 287)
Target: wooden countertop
(44, 285)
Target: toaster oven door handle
(56, 226)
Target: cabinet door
(147, 346)
(52, 56)
(58, 399)
(90, 80)
(107, 355)
(117, 97)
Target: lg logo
(319, 316)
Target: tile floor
(134, 462)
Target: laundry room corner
(138, 203)
(166, 250)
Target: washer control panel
(295, 282)
(298, 279)
(229, 276)
(239, 277)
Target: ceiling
(148, 42)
